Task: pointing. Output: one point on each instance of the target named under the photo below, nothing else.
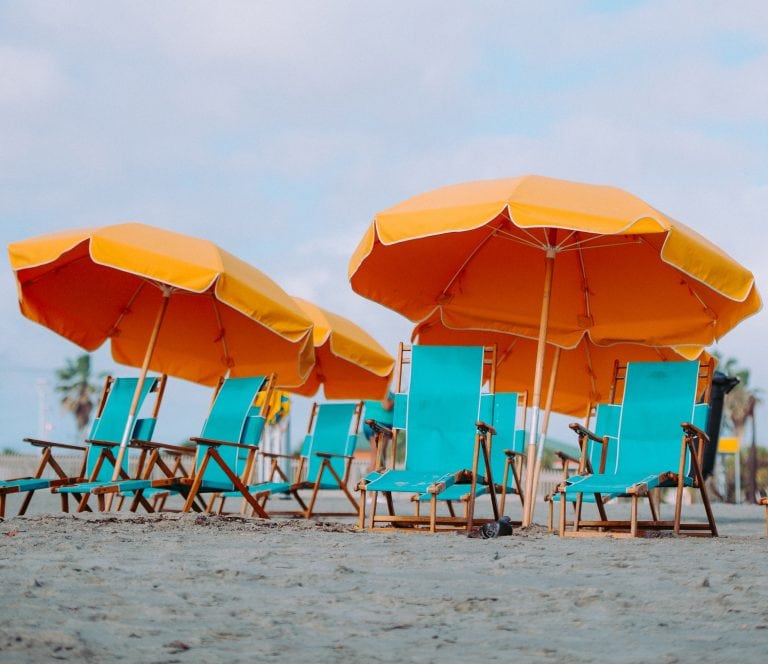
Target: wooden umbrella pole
(545, 426)
(549, 268)
(140, 385)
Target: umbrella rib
(580, 245)
(471, 255)
(585, 285)
(533, 242)
(228, 361)
(126, 310)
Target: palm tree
(74, 382)
(739, 408)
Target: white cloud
(279, 129)
(27, 77)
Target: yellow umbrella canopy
(583, 377)
(623, 271)
(555, 261)
(349, 363)
(168, 302)
(219, 314)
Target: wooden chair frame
(692, 443)
(433, 522)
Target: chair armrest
(276, 455)
(566, 458)
(484, 428)
(151, 445)
(47, 443)
(216, 443)
(582, 431)
(102, 443)
(379, 427)
(694, 431)
(328, 455)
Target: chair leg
(372, 518)
(550, 520)
(361, 508)
(433, 514)
(25, 504)
(633, 522)
(576, 511)
(196, 482)
(562, 514)
(82, 505)
(652, 506)
(678, 508)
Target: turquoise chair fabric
(501, 411)
(109, 427)
(441, 409)
(658, 397)
(230, 419)
(332, 433)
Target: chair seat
(26, 484)
(83, 487)
(455, 492)
(264, 487)
(617, 485)
(409, 481)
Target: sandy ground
(190, 588)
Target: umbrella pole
(139, 387)
(545, 424)
(549, 268)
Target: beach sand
(192, 588)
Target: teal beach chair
(443, 446)
(606, 425)
(324, 462)
(106, 432)
(659, 443)
(505, 440)
(224, 452)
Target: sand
(191, 588)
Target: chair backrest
(233, 420)
(400, 411)
(334, 431)
(442, 408)
(506, 417)
(658, 397)
(607, 418)
(110, 425)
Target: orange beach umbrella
(349, 363)
(555, 261)
(576, 378)
(167, 302)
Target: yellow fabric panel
(223, 315)
(585, 372)
(350, 364)
(624, 272)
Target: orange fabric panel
(106, 283)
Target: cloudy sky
(279, 129)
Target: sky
(279, 129)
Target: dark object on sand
(721, 385)
(499, 528)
